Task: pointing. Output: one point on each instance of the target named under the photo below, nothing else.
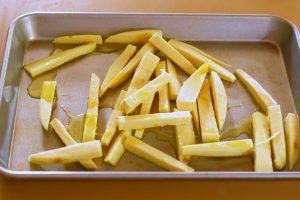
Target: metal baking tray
(267, 47)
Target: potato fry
(175, 84)
(154, 155)
(68, 154)
(129, 68)
(62, 132)
(208, 124)
(292, 134)
(91, 117)
(261, 96)
(219, 99)
(172, 53)
(196, 120)
(132, 37)
(51, 62)
(190, 89)
(262, 150)
(184, 136)
(116, 67)
(143, 72)
(112, 124)
(110, 48)
(197, 59)
(78, 39)
(206, 57)
(278, 142)
(46, 102)
(142, 94)
(145, 109)
(163, 93)
(153, 120)
(117, 149)
(220, 149)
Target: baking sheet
(262, 60)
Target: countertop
(12, 189)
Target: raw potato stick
(51, 62)
(146, 92)
(117, 149)
(196, 120)
(91, 117)
(117, 66)
(129, 68)
(112, 123)
(278, 142)
(292, 134)
(219, 98)
(154, 155)
(172, 53)
(197, 59)
(153, 120)
(46, 102)
(132, 37)
(190, 89)
(262, 151)
(261, 96)
(220, 149)
(163, 93)
(62, 132)
(78, 39)
(68, 154)
(208, 123)
(184, 136)
(175, 84)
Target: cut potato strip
(163, 93)
(116, 67)
(278, 142)
(292, 134)
(190, 89)
(145, 109)
(62, 132)
(143, 94)
(56, 60)
(143, 72)
(219, 98)
(175, 84)
(112, 123)
(78, 39)
(262, 150)
(46, 102)
(220, 149)
(208, 124)
(206, 57)
(261, 96)
(195, 117)
(154, 155)
(172, 53)
(197, 59)
(110, 48)
(117, 149)
(68, 154)
(91, 117)
(132, 37)
(153, 120)
(184, 136)
(129, 68)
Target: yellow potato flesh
(190, 89)
(163, 93)
(208, 124)
(154, 155)
(46, 102)
(262, 150)
(195, 117)
(175, 84)
(78, 39)
(56, 60)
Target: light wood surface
(11, 189)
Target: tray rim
(129, 174)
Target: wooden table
(11, 189)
